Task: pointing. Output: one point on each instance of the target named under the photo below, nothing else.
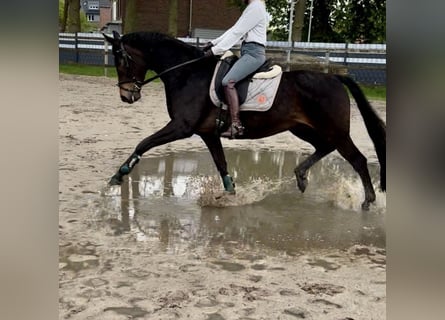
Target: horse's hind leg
(358, 161)
(322, 148)
(214, 145)
(302, 169)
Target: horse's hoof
(365, 206)
(302, 183)
(301, 180)
(229, 185)
(116, 180)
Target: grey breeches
(252, 57)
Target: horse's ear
(108, 38)
(116, 35)
(115, 39)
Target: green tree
(378, 20)
(173, 17)
(130, 20)
(280, 12)
(71, 19)
(63, 15)
(298, 24)
(279, 23)
(362, 20)
(369, 21)
(322, 26)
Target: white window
(90, 17)
(93, 5)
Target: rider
(252, 28)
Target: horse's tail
(374, 124)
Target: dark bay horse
(313, 106)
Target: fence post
(326, 68)
(288, 59)
(345, 60)
(76, 46)
(105, 58)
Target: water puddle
(170, 201)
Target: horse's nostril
(125, 99)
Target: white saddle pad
(261, 92)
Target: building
(199, 18)
(104, 14)
(91, 10)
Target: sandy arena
(103, 276)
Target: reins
(138, 84)
(168, 70)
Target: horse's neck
(169, 55)
(166, 59)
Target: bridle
(137, 84)
(126, 57)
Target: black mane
(146, 41)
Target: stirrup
(235, 130)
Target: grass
(87, 70)
(372, 92)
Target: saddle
(255, 92)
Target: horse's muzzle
(127, 99)
(130, 97)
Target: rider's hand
(208, 53)
(207, 46)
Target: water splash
(255, 190)
(347, 193)
(332, 182)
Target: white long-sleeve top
(251, 26)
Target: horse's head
(130, 67)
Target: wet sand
(104, 276)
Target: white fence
(91, 48)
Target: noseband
(137, 84)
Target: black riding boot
(236, 129)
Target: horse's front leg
(174, 130)
(124, 169)
(214, 145)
